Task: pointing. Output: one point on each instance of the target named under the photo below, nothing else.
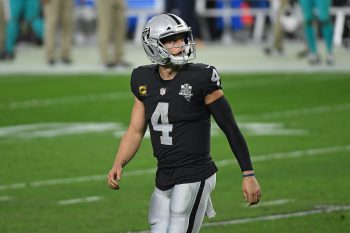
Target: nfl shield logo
(162, 91)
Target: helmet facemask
(187, 50)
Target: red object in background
(246, 18)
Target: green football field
(59, 134)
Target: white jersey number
(215, 77)
(162, 112)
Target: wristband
(247, 175)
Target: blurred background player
(2, 29)
(30, 11)
(85, 17)
(277, 10)
(112, 24)
(322, 8)
(58, 12)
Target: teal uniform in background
(322, 8)
(29, 10)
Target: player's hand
(251, 190)
(114, 176)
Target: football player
(176, 99)
(325, 19)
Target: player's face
(174, 44)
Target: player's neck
(168, 72)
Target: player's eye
(173, 38)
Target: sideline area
(248, 57)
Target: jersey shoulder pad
(139, 79)
(198, 66)
(210, 78)
(139, 72)
(204, 70)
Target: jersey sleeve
(136, 88)
(211, 81)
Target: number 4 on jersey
(215, 77)
(161, 111)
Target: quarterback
(175, 99)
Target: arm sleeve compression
(222, 113)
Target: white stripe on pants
(177, 211)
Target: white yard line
(255, 128)
(270, 203)
(72, 180)
(5, 198)
(231, 84)
(57, 129)
(259, 158)
(257, 82)
(80, 200)
(325, 209)
(297, 112)
(65, 100)
(320, 210)
(289, 155)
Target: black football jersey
(178, 120)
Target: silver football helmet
(159, 28)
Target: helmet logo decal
(145, 33)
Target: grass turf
(320, 105)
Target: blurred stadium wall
(233, 35)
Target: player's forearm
(128, 147)
(239, 147)
(222, 113)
